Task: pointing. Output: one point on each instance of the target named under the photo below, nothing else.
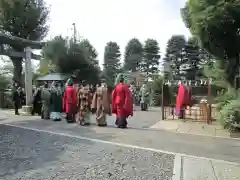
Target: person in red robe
(183, 100)
(70, 102)
(122, 104)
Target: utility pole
(74, 33)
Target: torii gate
(27, 55)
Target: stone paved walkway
(196, 128)
(140, 120)
(204, 169)
(146, 120)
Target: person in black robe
(37, 102)
(23, 98)
(17, 99)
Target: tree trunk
(17, 70)
(232, 70)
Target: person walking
(37, 102)
(45, 95)
(70, 102)
(101, 104)
(84, 104)
(56, 103)
(17, 99)
(122, 104)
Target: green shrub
(156, 90)
(225, 97)
(156, 93)
(229, 110)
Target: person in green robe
(56, 102)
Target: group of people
(101, 102)
(78, 102)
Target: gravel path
(30, 155)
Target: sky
(101, 21)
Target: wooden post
(209, 102)
(162, 100)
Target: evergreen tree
(70, 58)
(90, 51)
(216, 25)
(26, 19)
(165, 68)
(112, 64)
(175, 54)
(219, 35)
(133, 55)
(192, 68)
(150, 63)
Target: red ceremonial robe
(70, 100)
(181, 99)
(122, 104)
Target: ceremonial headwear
(84, 83)
(119, 78)
(69, 82)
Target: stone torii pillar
(28, 56)
(28, 80)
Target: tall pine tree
(175, 54)
(90, 51)
(133, 55)
(26, 19)
(151, 56)
(112, 63)
(195, 60)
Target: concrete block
(225, 171)
(26, 110)
(197, 169)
